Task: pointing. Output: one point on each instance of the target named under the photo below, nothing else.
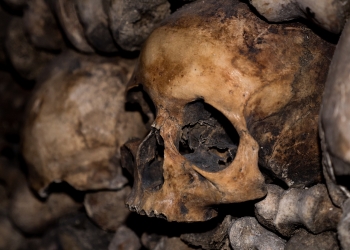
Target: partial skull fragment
(307, 241)
(329, 14)
(77, 122)
(227, 86)
(246, 233)
(107, 208)
(286, 211)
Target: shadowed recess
(208, 139)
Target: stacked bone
(237, 102)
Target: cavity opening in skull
(208, 139)
(151, 154)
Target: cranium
(213, 69)
(76, 123)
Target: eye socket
(208, 139)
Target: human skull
(76, 123)
(225, 83)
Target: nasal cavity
(150, 161)
(208, 138)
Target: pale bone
(77, 121)
(285, 211)
(68, 17)
(246, 233)
(335, 122)
(329, 14)
(249, 71)
(93, 17)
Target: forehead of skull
(239, 46)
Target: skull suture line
(264, 80)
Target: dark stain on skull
(208, 139)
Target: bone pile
(161, 124)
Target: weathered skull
(223, 83)
(76, 123)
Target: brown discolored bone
(246, 233)
(307, 241)
(41, 27)
(93, 16)
(131, 22)
(107, 208)
(77, 122)
(25, 58)
(67, 15)
(285, 211)
(226, 86)
(329, 14)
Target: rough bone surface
(335, 122)
(307, 241)
(107, 208)
(125, 239)
(246, 233)
(329, 14)
(131, 22)
(285, 211)
(229, 90)
(77, 121)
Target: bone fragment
(107, 208)
(125, 239)
(93, 17)
(246, 233)
(285, 211)
(302, 239)
(329, 14)
(131, 22)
